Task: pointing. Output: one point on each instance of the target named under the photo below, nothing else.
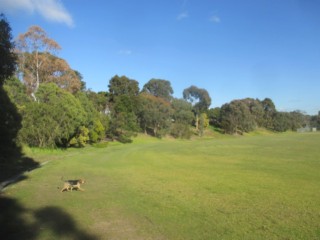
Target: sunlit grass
(253, 187)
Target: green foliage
(182, 111)
(10, 124)
(269, 113)
(125, 138)
(124, 118)
(181, 130)
(123, 86)
(97, 132)
(203, 123)
(54, 119)
(99, 100)
(315, 121)
(39, 127)
(10, 119)
(256, 110)
(237, 118)
(284, 121)
(123, 104)
(155, 114)
(17, 92)
(182, 119)
(159, 88)
(214, 116)
(198, 97)
(92, 115)
(97, 121)
(81, 138)
(8, 57)
(245, 115)
(298, 120)
(200, 100)
(281, 122)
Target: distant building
(306, 129)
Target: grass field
(252, 187)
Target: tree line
(55, 109)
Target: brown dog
(69, 185)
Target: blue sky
(234, 49)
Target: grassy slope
(257, 187)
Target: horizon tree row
(57, 110)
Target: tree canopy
(159, 88)
(198, 97)
(8, 57)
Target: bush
(124, 139)
(180, 130)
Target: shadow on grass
(60, 223)
(49, 219)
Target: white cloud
(182, 15)
(215, 19)
(51, 10)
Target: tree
(33, 48)
(8, 57)
(97, 131)
(159, 88)
(10, 119)
(297, 120)
(54, 120)
(122, 86)
(123, 104)
(315, 121)
(269, 112)
(80, 78)
(123, 117)
(203, 123)
(17, 92)
(236, 117)
(155, 114)
(182, 111)
(214, 116)
(199, 98)
(100, 101)
(58, 71)
(182, 118)
(81, 137)
(256, 109)
(281, 122)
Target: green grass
(265, 186)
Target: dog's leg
(81, 189)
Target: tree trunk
(197, 121)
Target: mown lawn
(252, 187)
